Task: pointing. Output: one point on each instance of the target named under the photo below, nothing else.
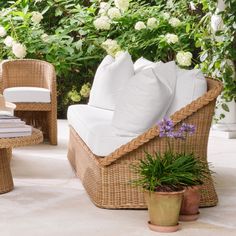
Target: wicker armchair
(33, 73)
(107, 179)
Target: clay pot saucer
(189, 217)
(163, 229)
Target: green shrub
(72, 33)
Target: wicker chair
(33, 73)
(107, 179)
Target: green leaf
(58, 12)
(188, 27)
(225, 107)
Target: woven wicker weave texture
(33, 73)
(107, 180)
(6, 181)
(6, 145)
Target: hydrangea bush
(74, 35)
(216, 37)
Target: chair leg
(52, 127)
(6, 181)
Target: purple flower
(179, 135)
(170, 135)
(166, 127)
(185, 128)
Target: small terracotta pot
(190, 205)
(164, 208)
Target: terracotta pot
(164, 208)
(190, 204)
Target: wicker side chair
(107, 179)
(37, 74)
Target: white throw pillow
(111, 76)
(190, 85)
(141, 63)
(145, 99)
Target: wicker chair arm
(50, 79)
(214, 89)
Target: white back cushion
(145, 99)
(111, 76)
(190, 85)
(141, 63)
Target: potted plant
(189, 210)
(164, 176)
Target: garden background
(75, 35)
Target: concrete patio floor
(48, 200)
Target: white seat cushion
(93, 125)
(145, 99)
(190, 85)
(111, 76)
(27, 94)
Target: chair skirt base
(109, 186)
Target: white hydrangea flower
(19, 50)
(2, 31)
(111, 47)
(36, 17)
(184, 58)
(171, 38)
(170, 3)
(45, 38)
(102, 23)
(36, 1)
(166, 15)
(104, 6)
(85, 90)
(114, 13)
(8, 41)
(102, 12)
(123, 5)
(74, 95)
(140, 25)
(152, 23)
(192, 6)
(175, 22)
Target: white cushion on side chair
(111, 76)
(190, 85)
(93, 125)
(145, 99)
(27, 94)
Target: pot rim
(165, 193)
(193, 187)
